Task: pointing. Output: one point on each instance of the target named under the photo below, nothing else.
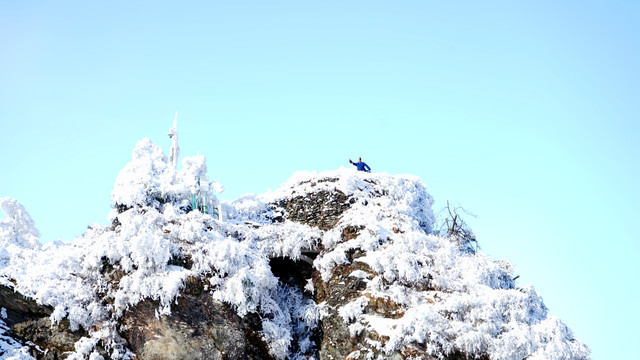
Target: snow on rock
(147, 178)
(150, 180)
(10, 348)
(17, 229)
(18, 234)
(385, 284)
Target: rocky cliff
(336, 265)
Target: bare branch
(458, 231)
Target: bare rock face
(321, 209)
(338, 342)
(54, 340)
(197, 328)
(30, 323)
(20, 308)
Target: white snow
(452, 300)
(150, 180)
(11, 349)
(18, 234)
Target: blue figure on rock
(360, 165)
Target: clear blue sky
(524, 113)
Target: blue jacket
(361, 166)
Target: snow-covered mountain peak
(337, 264)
